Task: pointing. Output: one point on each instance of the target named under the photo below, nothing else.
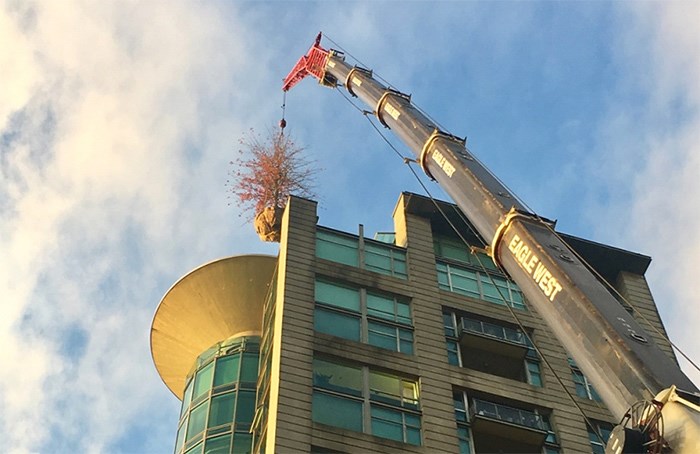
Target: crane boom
(611, 348)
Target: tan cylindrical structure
(214, 302)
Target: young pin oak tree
(268, 169)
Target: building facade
(402, 343)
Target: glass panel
(493, 330)
(387, 423)
(463, 434)
(186, 397)
(452, 353)
(385, 237)
(246, 407)
(377, 260)
(336, 295)
(400, 269)
(198, 418)
(195, 449)
(464, 282)
(338, 248)
(242, 443)
(218, 445)
(514, 335)
(406, 341)
(460, 408)
(490, 293)
(443, 280)
(227, 369)
(385, 388)
(249, 367)
(486, 262)
(413, 436)
(409, 391)
(412, 428)
(180, 437)
(337, 377)
(534, 375)
(380, 306)
(448, 324)
(202, 382)
(406, 347)
(581, 391)
(455, 250)
(404, 313)
(337, 324)
(222, 409)
(337, 411)
(382, 335)
(472, 325)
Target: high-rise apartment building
(403, 343)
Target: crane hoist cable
(408, 162)
(283, 122)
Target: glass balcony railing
(502, 333)
(507, 414)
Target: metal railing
(507, 414)
(490, 329)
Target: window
(337, 247)
(583, 387)
(476, 436)
(598, 435)
(479, 285)
(364, 253)
(219, 399)
(361, 399)
(354, 313)
(490, 346)
(455, 249)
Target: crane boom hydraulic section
(611, 348)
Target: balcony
(491, 338)
(491, 421)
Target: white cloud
(115, 125)
(651, 138)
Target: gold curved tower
(214, 302)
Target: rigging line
(386, 82)
(283, 121)
(510, 309)
(459, 234)
(498, 289)
(592, 270)
(376, 75)
(525, 332)
(513, 314)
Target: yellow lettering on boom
(444, 164)
(533, 266)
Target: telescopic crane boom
(611, 348)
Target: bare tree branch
(268, 170)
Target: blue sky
(118, 120)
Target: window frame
(369, 400)
(584, 388)
(364, 247)
(601, 427)
(403, 333)
(511, 293)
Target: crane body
(607, 343)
